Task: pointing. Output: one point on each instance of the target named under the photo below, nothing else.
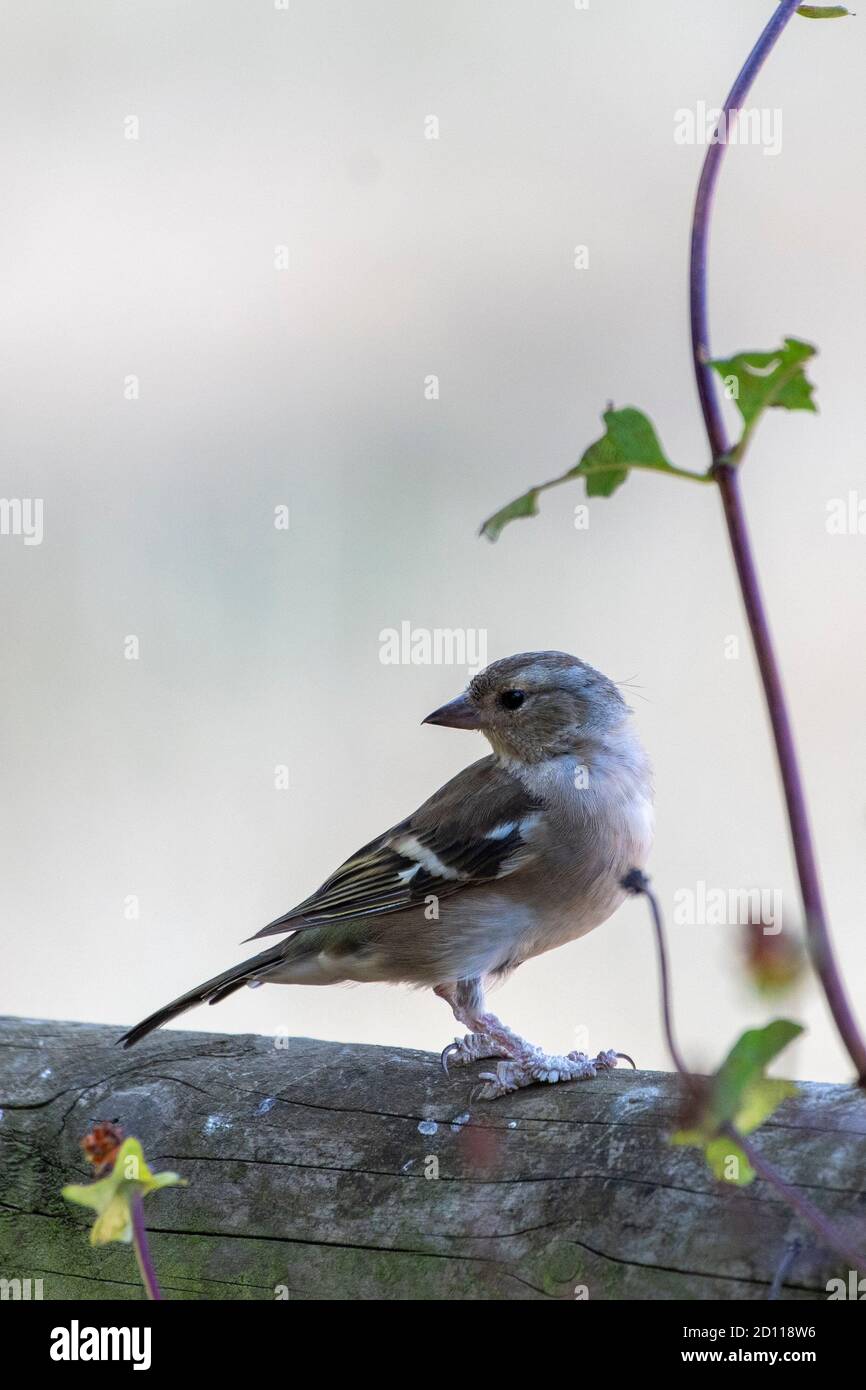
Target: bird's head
(536, 705)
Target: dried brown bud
(101, 1144)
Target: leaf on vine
(527, 505)
(739, 1095)
(758, 381)
(111, 1196)
(774, 962)
(629, 441)
(823, 11)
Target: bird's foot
(537, 1066)
(473, 1047)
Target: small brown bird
(520, 852)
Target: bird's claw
(473, 1047)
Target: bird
(519, 853)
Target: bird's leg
(466, 998)
(523, 1064)
(526, 1064)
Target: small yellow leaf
(112, 1195)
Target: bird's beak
(457, 714)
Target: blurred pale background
(154, 257)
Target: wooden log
(320, 1170)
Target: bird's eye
(512, 699)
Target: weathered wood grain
(308, 1167)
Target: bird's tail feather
(211, 992)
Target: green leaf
(728, 1162)
(110, 1197)
(759, 381)
(759, 1100)
(742, 1097)
(527, 505)
(823, 11)
(745, 1064)
(629, 441)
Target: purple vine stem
(829, 1234)
(637, 882)
(142, 1249)
(726, 475)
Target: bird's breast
(594, 834)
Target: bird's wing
(478, 827)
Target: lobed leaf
(759, 381)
